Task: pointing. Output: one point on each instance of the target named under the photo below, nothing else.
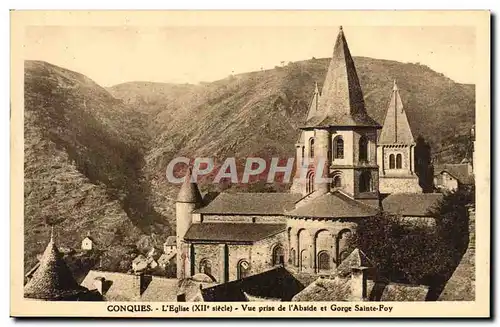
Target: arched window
(337, 181)
(365, 182)
(392, 165)
(206, 267)
(243, 269)
(363, 149)
(303, 151)
(293, 257)
(311, 147)
(278, 255)
(399, 161)
(323, 261)
(310, 182)
(338, 148)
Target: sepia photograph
(188, 163)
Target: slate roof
(171, 241)
(339, 289)
(333, 205)
(396, 129)
(122, 287)
(189, 192)
(232, 232)
(341, 102)
(412, 204)
(313, 107)
(458, 171)
(356, 260)
(276, 283)
(53, 279)
(251, 203)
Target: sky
(112, 55)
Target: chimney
(99, 284)
(140, 284)
(358, 284)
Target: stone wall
(399, 185)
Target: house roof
(52, 280)
(325, 289)
(396, 129)
(458, 171)
(189, 192)
(232, 232)
(339, 289)
(333, 205)
(341, 102)
(171, 241)
(356, 260)
(276, 283)
(412, 204)
(122, 287)
(251, 203)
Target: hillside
(95, 158)
(83, 164)
(258, 113)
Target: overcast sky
(113, 55)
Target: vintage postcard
(250, 164)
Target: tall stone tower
(339, 138)
(188, 199)
(396, 150)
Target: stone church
(370, 168)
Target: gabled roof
(356, 260)
(251, 203)
(52, 280)
(341, 102)
(412, 204)
(458, 171)
(396, 129)
(232, 232)
(189, 192)
(171, 241)
(333, 205)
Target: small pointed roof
(313, 107)
(342, 102)
(52, 280)
(189, 192)
(396, 129)
(357, 260)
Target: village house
(87, 243)
(451, 177)
(170, 245)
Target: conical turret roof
(341, 102)
(313, 108)
(189, 192)
(396, 129)
(53, 280)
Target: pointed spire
(52, 280)
(313, 108)
(189, 192)
(396, 129)
(342, 102)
